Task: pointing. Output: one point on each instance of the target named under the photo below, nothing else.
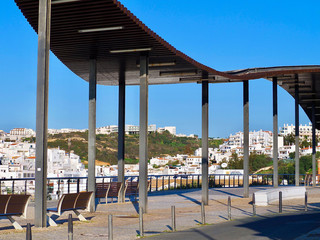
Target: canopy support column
(143, 133)
(296, 93)
(314, 169)
(275, 131)
(205, 133)
(44, 20)
(92, 132)
(245, 139)
(121, 131)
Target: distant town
(17, 154)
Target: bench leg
(79, 215)
(15, 224)
(51, 222)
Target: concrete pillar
(121, 131)
(44, 20)
(245, 139)
(275, 131)
(92, 131)
(143, 133)
(205, 133)
(314, 170)
(297, 134)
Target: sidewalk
(158, 218)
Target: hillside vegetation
(160, 144)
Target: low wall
(265, 197)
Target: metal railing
(59, 185)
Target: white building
(170, 129)
(304, 130)
(65, 130)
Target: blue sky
(224, 35)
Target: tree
(289, 139)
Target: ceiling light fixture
(101, 29)
(163, 64)
(310, 100)
(131, 50)
(63, 1)
(179, 73)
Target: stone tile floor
(158, 218)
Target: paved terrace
(158, 219)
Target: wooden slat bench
(110, 189)
(132, 189)
(14, 205)
(70, 202)
(102, 190)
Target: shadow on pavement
(286, 226)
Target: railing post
(187, 181)
(198, 181)
(25, 187)
(180, 182)
(150, 188)
(168, 182)
(68, 181)
(157, 183)
(280, 202)
(12, 187)
(162, 183)
(78, 185)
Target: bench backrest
(83, 200)
(114, 189)
(4, 200)
(132, 187)
(102, 189)
(74, 201)
(13, 204)
(67, 201)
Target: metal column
(205, 133)
(44, 20)
(314, 170)
(143, 133)
(121, 130)
(296, 133)
(92, 131)
(246, 139)
(275, 131)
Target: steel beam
(205, 133)
(296, 105)
(121, 130)
(44, 20)
(314, 168)
(245, 139)
(92, 131)
(143, 133)
(275, 130)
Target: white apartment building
(107, 129)
(65, 130)
(170, 129)
(304, 130)
(262, 137)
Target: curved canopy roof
(107, 31)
